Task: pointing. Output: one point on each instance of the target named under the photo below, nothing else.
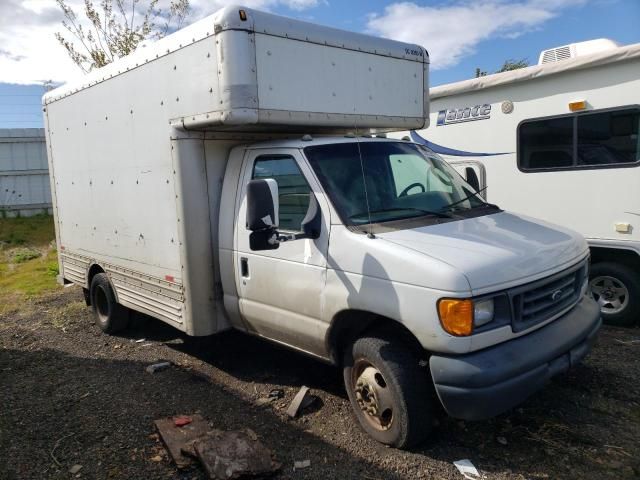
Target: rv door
(474, 173)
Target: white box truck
(216, 179)
(559, 141)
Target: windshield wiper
(427, 212)
(486, 204)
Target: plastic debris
(467, 469)
(182, 420)
(140, 340)
(501, 440)
(275, 394)
(298, 465)
(75, 469)
(156, 367)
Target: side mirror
(472, 178)
(262, 214)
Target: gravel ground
(70, 395)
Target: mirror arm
(291, 236)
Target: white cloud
(453, 31)
(30, 53)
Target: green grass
(25, 254)
(28, 260)
(31, 231)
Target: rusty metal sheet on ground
(235, 454)
(175, 437)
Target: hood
(499, 250)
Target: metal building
(24, 174)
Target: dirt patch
(72, 396)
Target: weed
(52, 269)
(64, 316)
(25, 254)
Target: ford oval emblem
(556, 295)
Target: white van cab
(413, 269)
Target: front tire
(388, 390)
(616, 288)
(110, 316)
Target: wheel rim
(102, 304)
(372, 395)
(610, 293)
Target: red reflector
(169, 278)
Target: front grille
(541, 300)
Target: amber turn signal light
(577, 106)
(456, 316)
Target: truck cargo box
(266, 70)
(138, 149)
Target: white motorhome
(559, 141)
(217, 180)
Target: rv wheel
(388, 390)
(616, 288)
(110, 315)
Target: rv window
(546, 144)
(293, 189)
(586, 140)
(608, 138)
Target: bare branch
(106, 33)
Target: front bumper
(486, 383)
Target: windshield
(403, 180)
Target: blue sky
(460, 35)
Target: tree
(512, 64)
(115, 28)
(507, 66)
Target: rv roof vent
(576, 50)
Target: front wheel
(388, 390)
(616, 288)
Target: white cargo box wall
(136, 172)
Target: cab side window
(293, 189)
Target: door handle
(244, 267)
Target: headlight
(483, 312)
(459, 316)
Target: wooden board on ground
(175, 437)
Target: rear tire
(616, 288)
(110, 316)
(388, 390)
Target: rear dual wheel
(110, 316)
